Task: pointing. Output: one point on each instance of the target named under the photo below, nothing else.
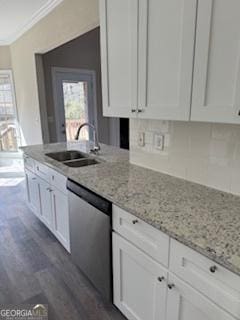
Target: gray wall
(82, 53)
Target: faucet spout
(96, 146)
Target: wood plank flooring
(35, 268)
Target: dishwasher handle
(92, 198)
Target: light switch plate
(158, 141)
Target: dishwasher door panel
(90, 240)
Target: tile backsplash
(205, 153)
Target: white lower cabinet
(185, 303)
(139, 282)
(219, 285)
(32, 192)
(54, 211)
(49, 201)
(60, 217)
(45, 203)
(188, 287)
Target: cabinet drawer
(148, 239)
(211, 279)
(42, 171)
(58, 180)
(28, 163)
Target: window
(8, 119)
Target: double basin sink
(72, 158)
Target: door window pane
(76, 108)
(8, 123)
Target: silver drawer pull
(213, 269)
(135, 221)
(171, 285)
(160, 279)
(133, 110)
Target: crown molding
(37, 16)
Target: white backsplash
(205, 153)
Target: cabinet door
(184, 303)
(216, 83)
(32, 192)
(60, 217)
(45, 203)
(139, 289)
(166, 46)
(118, 20)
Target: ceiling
(17, 16)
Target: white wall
(205, 153)
(66, 22)
(5, 57)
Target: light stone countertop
(202, 218)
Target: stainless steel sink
(63, 156)
(72, 158)
(81, 162)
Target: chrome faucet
(96, 146)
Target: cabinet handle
(213, 269)
(160, 279)
(52, 177)
(135, 221)
(139, 110)
(133, 110)
(171, 285)
(38, 168)
(239, 112)
(34, 178)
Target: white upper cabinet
(166, 46)
(119, 56)
(216, 82)
(171, 59)
(147, 57)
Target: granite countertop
(202, 218)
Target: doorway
(11, 164)
(74, 93)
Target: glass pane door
(8, 121)
(11, 163)
(75, 95)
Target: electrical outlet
(141, 139)
(158, 141)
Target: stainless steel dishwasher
(90, 236)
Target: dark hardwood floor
(35, 268)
